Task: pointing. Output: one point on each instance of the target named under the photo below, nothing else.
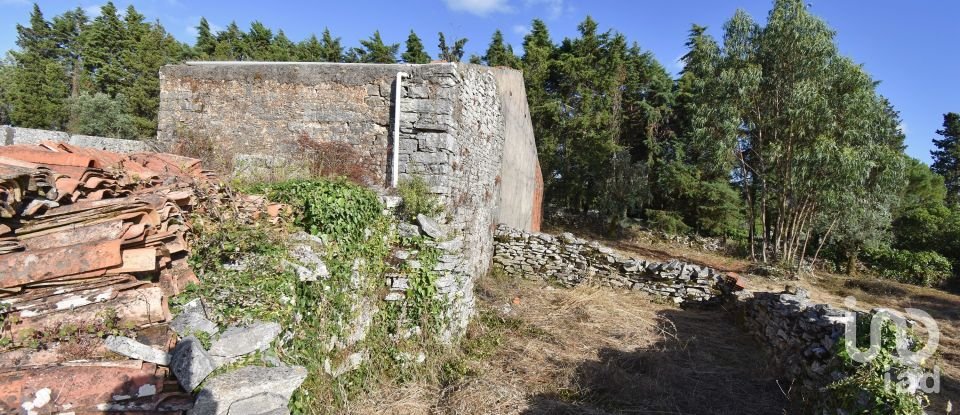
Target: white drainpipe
(396, 129)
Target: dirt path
(600, 351)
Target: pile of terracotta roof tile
(88, 236)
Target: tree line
(769, 137)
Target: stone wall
(799, 334)
(452, 121)
(17, 135)
(570, 261)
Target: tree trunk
(852, 262)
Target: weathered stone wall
(17, 135)
(452, 124)
(799, 334)
(571, 261)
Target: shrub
(100, 115)
(417, 199)
(865, 389)
(666, 221)
(333, 159)
(329, 207)
(926, 268)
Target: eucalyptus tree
(817, 146)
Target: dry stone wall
(802, 338)
(799, 334)
(571, 261)
(18, 135)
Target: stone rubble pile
(452, 272)
(572, 261)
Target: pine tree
(67, 29)
(206, 44)
(6, 84)
(538, 62)
(309, 50)
(281, 48)
(103, 45)
(451, 53)
(39, 82)
(230, 44)
(256, 43)
(332, 51)
(415, 52)
(375, 51)
(499, 53)
(946, 158)
(149, 47)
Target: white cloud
(520, 29)
(554, 8)
(479, 7)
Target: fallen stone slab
(430, 227)
(407, 230)
(249, 390)
(238, 340)
(192, 320)
(136, 350)
(190, 363)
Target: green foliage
(375, 51)
(100, 115)
(946, 158)
(451, 53)
(417, 199)
(241, 266)
(357, 239)
(415, 52)
(719, 211)
(333, 208)
(72, 56)
(924, 268)
(864, 390)
(38, 83)
(499, 53)
(667, 222)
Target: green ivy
(865, 390)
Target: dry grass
(538, 349)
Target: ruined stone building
(464, 128)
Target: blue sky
(909, 46)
